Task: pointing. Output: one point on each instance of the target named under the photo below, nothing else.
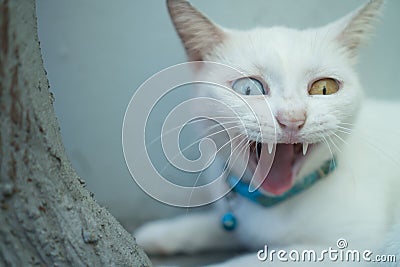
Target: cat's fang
(270, 147)
(305, 147)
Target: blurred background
(98, 52)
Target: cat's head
(306, 76)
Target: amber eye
(326, 86)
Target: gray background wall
(97, 52)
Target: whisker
(178, 127)
(366, 139)
(345, 128)
(347, 123)
(392, 131)
(340, 138)
(239, 152)
(190, 145)
(348, 166)
(329, 147)
(223, 130)
(334, 144)
(198, 176)
(341, 131)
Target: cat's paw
(184, 234)
(157, 238)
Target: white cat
(316, 99)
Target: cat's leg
(185, 234)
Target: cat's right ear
(355, 28)
(198, 34)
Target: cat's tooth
(270, 147)
(305, 147)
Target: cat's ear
(198, 34)
(353, 29)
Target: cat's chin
(286, 164)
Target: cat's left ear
(353, 29)
(199, 35)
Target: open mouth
(285, 166)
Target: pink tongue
(279, 178)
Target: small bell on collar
(229, 221)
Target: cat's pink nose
(293, 123)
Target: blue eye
(248, 86)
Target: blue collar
(229, 221)
(242, 188)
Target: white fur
(357, 201)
